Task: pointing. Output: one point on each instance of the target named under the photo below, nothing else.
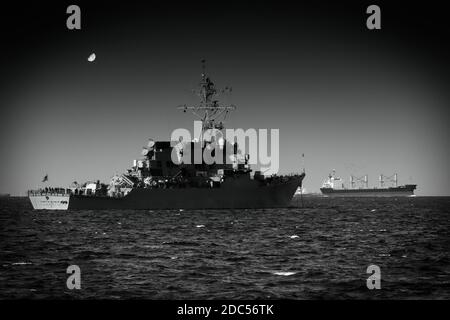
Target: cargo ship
(157, 182)
(334, 186)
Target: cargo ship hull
(232, 195)
(401, 191)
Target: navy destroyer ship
(334, 186)
(157, 182)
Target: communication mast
(209, 111)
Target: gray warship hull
(231, 195)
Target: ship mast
(209, 111)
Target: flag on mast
(45, 178)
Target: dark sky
(350, 99)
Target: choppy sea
(320, 251)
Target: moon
(91, 57)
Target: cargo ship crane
(393, 179)
(364, 180)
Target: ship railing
(60, 193)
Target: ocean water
(320, 251)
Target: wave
(284, 273)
